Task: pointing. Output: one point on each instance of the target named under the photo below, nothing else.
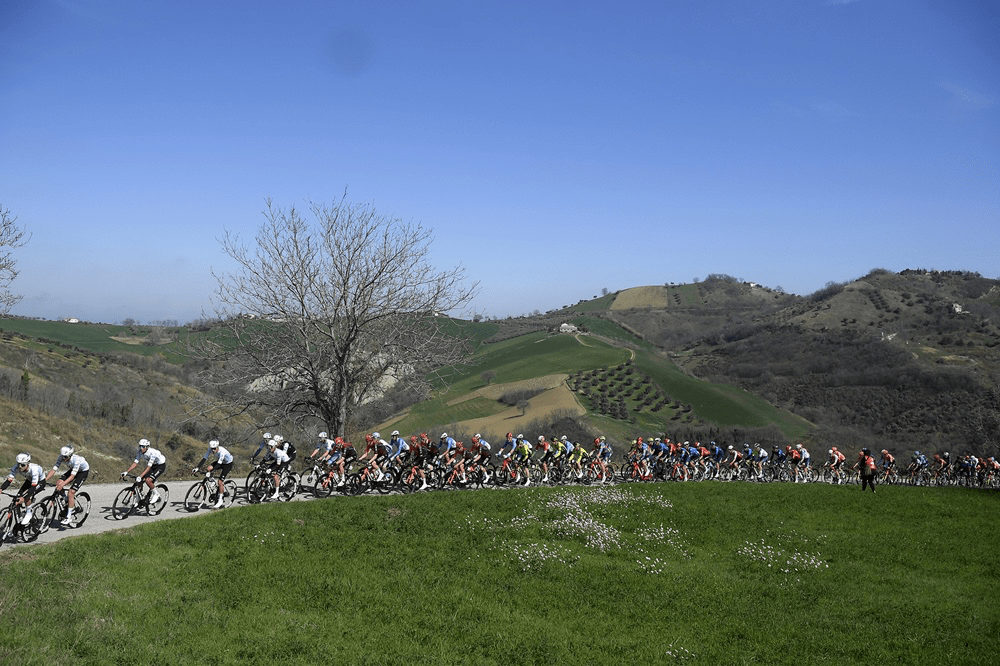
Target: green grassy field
(667, 573)
(92, 337)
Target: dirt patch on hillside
(496, 391)
(559, 399)
(641, 297)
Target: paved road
(102, 497)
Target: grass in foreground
(679, 573)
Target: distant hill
(906, 361)
(909, 359)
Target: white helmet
(375, 435)
(541, 438)
(66, 451)
(444, 435)
(23, 458)
(279, 439)
(323, 435)
(395, 433)
(273, 443)
(830, 452)
(143, 443)
(214, 444)
(267, 436)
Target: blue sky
(555, 148)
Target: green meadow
(704, 573)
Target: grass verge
(678, 573)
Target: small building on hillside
(567, 328)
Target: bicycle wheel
(154, 508)
(81, 509)
(231, 490)
(196, 496)
(309, 479)
(354, 484)
(6, 526)
(289, 487)
(50, 508)
(325, 485)
(259, 490)
(124, 504)
(31, 529)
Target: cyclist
(804, 452)
(156, 464)
(418, 458)
(262, 447)
(287, 447)
(522, 454)
(794, 458)
(277, 460)
(324, 451)
(74, 477)
(718, 455)
(341, 454)
(34, 482)
(760, 459)
(546, 448)
(223, 462)
(482, 451)
(735, 457)
(446, 448)
(576, 459)
(402, 448)
(323, 447)
(607, 453)
(888, 461)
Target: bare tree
(322, 316)
(11, 236)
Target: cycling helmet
(214, 444)
(830, 452)
(66, 451)
(884, 452)
(563, 438)
(730, 447)
(541, 438)
(413, 439)
(597, 441)
(475, 438)
(444, 435)
(520, 436)
(834, 448)
(323, 435)
(143, 443)
(267, 436)
(23, 458)
(866, 451)
(916, 453)
(395, 433)
(279, 438)
(603, 438)
(273, 443)
(510, 435)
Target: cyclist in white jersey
(34, 482)
(223, 462)
(75, 476)
(156, 464)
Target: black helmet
(866, 452)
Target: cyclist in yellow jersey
(576, 459)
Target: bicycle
(206, 492)
(57, 505)
(132, 499)
(262, 485)
(11, 521)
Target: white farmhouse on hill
(567, 328)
